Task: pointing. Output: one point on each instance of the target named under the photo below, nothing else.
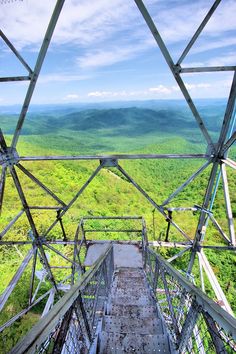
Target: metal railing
(196, 323)
(71, 325)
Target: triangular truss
(216, 158)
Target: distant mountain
(130, 121)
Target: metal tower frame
(216, 157)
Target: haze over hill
(171, 117)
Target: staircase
(112, 309)
(131, 323)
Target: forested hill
(118, 121)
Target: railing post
(168, 298)
(61, 337)
(144, 242)
(188, 326)
(83, 234)
(84, 316)
(214, 332)
(156, 275)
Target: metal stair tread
(125, 324)
(139, 300)
(131, 310)
(116, 343)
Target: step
(124, 324)
(131, 289)
(138, 299)
(117, 343)
(132, 311)
(129, 272)
(129, 284)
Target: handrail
(197, 324)
(39, 333)
(225, 320)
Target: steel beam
(174, 71)
(33, 275)
(17, 54)
(206, 69)
(201, 273)
(60, 254)
(11, 286)
(227, 117)
(215, 284)
(49, 303)
(112, 218)
(219, 248)
(156, 206)
(171, 259)
(198, 32)
(37, 69)
(170, 244)
(229, 143)
(189, 180)
(11, 223)
(200, 232)
(32, 224)
(218, 227)
(23, 312)
(40, 184)
(114, 157)
(113, 230)
(15, 78)
(74, 199)
(229, 163)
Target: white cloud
(223, 60)
(101, 58)
(160, 89)
(210, 44)
(71, 96)
(109, 94)
(229, 59)
(80, 22)
(91, 22)
(61, 77)
(197, 86)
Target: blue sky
(102, 50)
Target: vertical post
(201, 273)
(188, 326)
(61, 337)
(168, 298)
(200, 233)
(168, 226)
(33, 275)
(62, 226)
(214, 332)
(2, 185)
(228, 205)
(84, 315)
